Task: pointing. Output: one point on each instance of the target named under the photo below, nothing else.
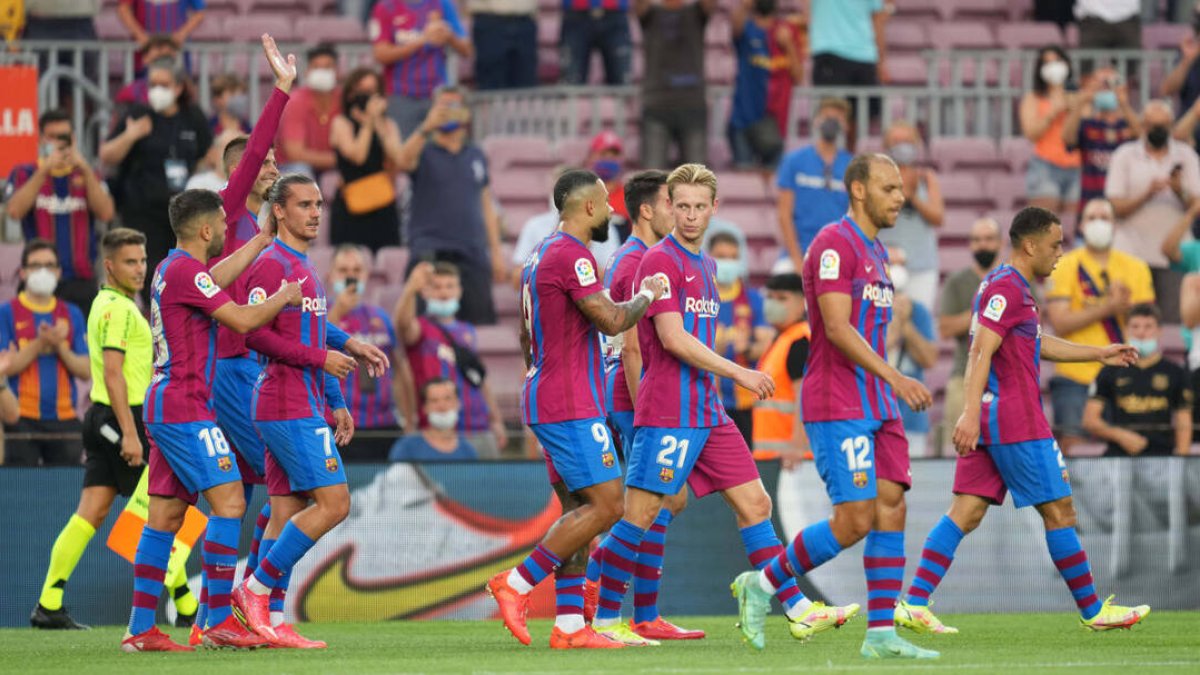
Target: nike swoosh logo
(870, 267)
(335, 595)
(689, 279)
(302, 280)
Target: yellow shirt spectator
(1082, 281)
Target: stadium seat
(963, 35)
(1164, 35)
(992, 10)
(527, 185)
(755, 221)
(322, 259)
(504, 152)
(1007, 189)
(956, 225)
(960, 189)
(391, 263)
(506, 300)
(329, 29)
(517, 214)
(718, 34)
(109, 27)
(740, 187)
(953, 153)
(10, 263)
(927, 10)
(499, 339)
(906, 36)
(1028, 35)
(549, 30)
(907, 69)
(1016, 152)
(250, 28)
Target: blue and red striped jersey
(398, 21)
(370, 399)
(61, 215)
(45, 390)
(620, 280)
(163, 16)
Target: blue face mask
(449, 127)
(1105, 101)
(728, 271)
(606, 169)
(1145, 347)
(442, 308)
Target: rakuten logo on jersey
(315, 305)
(707, 308)
(880, 296)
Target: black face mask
(985, 258)
(359, 101)
(600, 233)
(1158, 136)
(764, 7)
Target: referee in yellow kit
(121, 350)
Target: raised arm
(243, 177)
(405, 314)
(1171, 246)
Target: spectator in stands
(505, 36)
(764, 45)
(911, 348)
(606, 155)
(718, 226)
(60, 198)
(366, 143)
(230, 104)
(307, 121)
(1088, 297)
(778, 421)
(1151, 183)
(438, 345)
(743, 333)
(1144, 409)
(921, 216)
(439, 439)
(957, 303)
(51, 354)
(1109, 24)
(155, 48)
(596, 26)
(1052, 177)
(409, 39)
(177, 18)
(453, 215)
(1184, 257)
(811, 193)
(1184, 79)
(848, 44)
(674, 104)
(544, 224)
(371, 400)
(1098, 121)
(155, 149)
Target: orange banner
(18, 117)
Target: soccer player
(188, 451)
(649, 206)
(562, 401)
(850, 413)
(289, 408)
(114, 435)
(681, 431)
(1002, 438)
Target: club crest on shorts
(860, 479)
(666, 474)
(224, 463)
(1066, 476)
(331, 464)
(608, 460)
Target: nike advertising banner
(421, 541)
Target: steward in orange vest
(776, 427)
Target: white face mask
(443, 421)
(161, 98)
(41, 282)
(1055, 72)
(1098, 234)
(321, 79)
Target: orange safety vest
(775, 418)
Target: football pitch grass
(989, 643)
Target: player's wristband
(646, 293)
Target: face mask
(1157, 136)
(238, 105)
(161, 98)
(321, 79)
(774, 311)
(1105, 101)
(728, 271)
(1098, 234)
(1148, 347)
(359, 101)
(899, 274)
(442, 308)
(443, 421)
(984, 258)
(829, 129)
(341, 285)
(450, 126)
(904, 154)
(41, 282)
(606, 169)
(1055, 72)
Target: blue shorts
(233, 393)
(662, 458)
(1033, 471)
(851, 454)
(305, 450)
(622, 423)
(581, 450)
(197, 458)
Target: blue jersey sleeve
(335, 338)
(923, 320)
(450, 13)
(784, 175)
(757, 318)
(333, 393)
(7, 332)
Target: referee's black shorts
(102, 462)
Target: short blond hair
(692, 174)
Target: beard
(215, 247)
(879, 216)
(600, 232)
